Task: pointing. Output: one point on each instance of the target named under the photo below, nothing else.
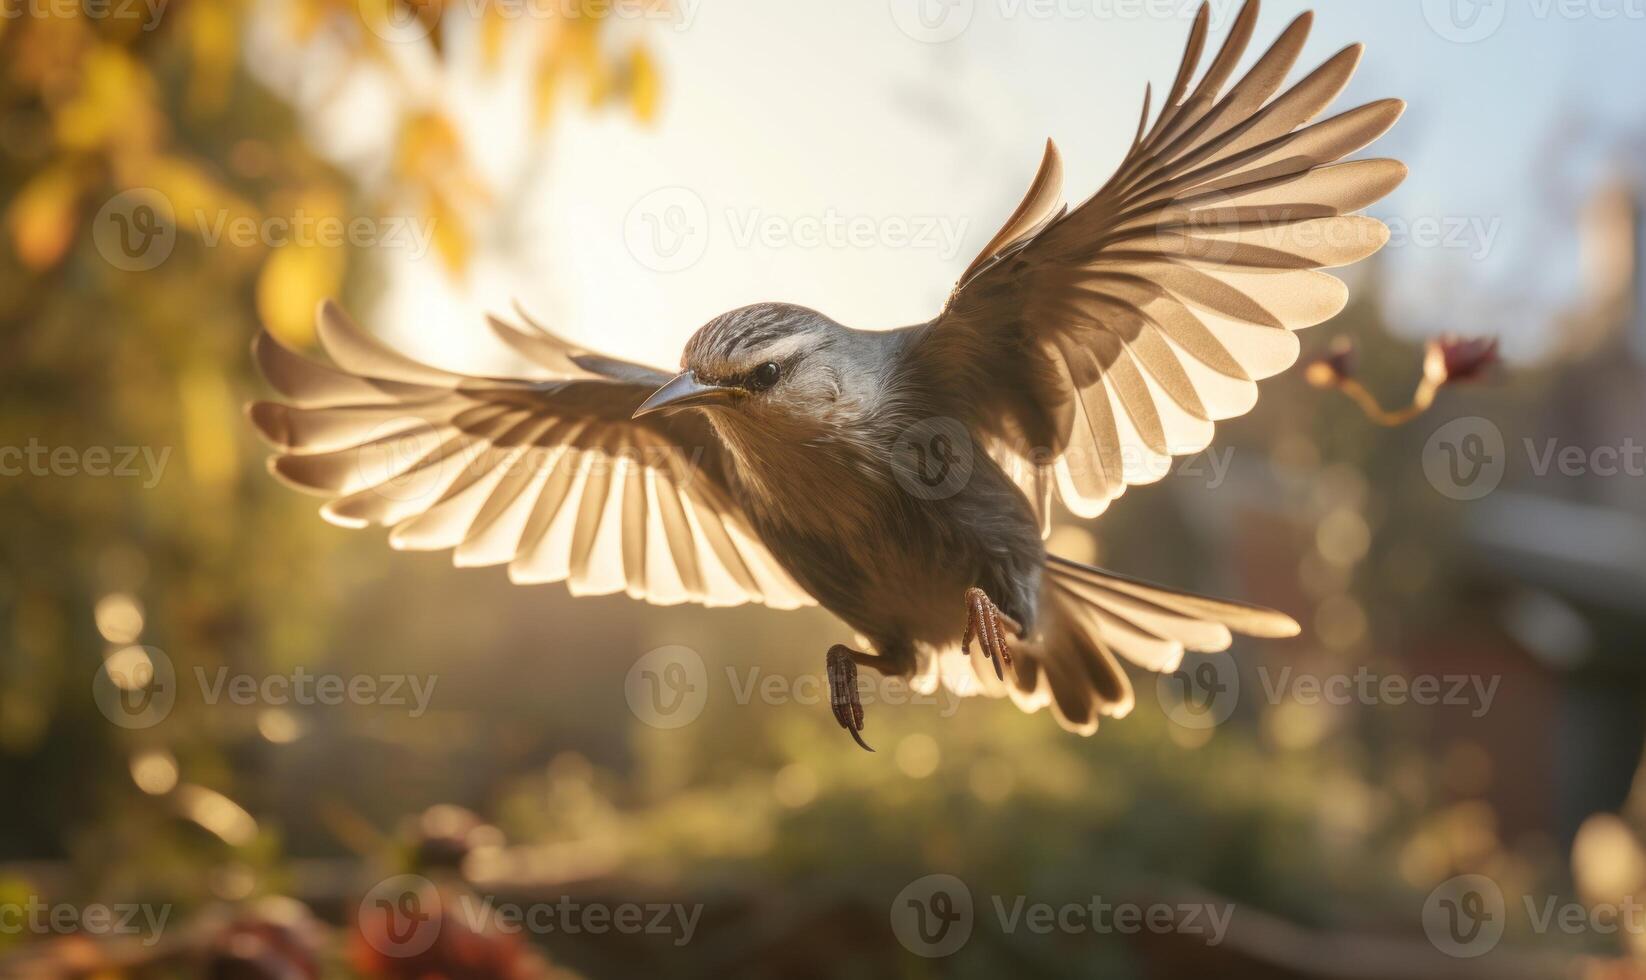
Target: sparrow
(902, 479)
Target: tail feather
(1093, 620)
(1238, 616)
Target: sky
(853, 155)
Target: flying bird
(902, 479)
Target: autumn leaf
(432, 164)
(210, 29)
(494, 29)
(451, 234)
(644, 85)
(546, 80)
(114, 106)
(190, 188)
(429, 148)
(306, 16)
(43, 217)
(296, 277)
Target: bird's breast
(889, 553)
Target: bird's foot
(989, 625)
(844, 698)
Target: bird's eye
(764, 376)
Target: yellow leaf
(429, 147)
(576, 43)
(600, 83)
(427, 14)
(194, 193)
(213, 43)
(547, 87)
(431, 162)
(451, 234)
(114, 107)
(42, 218)
(306, 17)
(198, 203)
(644, 84)
(493, 30)
(293, 281)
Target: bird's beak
(685, 391)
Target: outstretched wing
(1092, 345)
(548, 474)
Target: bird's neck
(831, 474)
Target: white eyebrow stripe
(780, 350)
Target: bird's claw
(843, 695)
(989, 625)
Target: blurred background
(230, 731)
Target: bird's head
(765, 364)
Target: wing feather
(1146, 313)
(548, 475)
